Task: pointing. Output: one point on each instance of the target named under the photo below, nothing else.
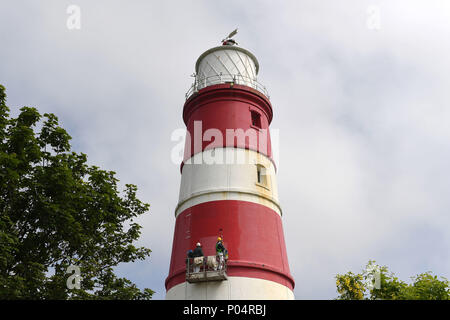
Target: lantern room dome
(227, 63)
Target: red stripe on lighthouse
(222, 108)
(253, 235)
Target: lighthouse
(228, 187)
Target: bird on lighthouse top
(228, 41)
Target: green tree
(56, 211)
(378, 283)
(350, 286)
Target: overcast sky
(361, 98)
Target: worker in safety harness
(220, 251)
(198, 257)
(189, 259)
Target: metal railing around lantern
(202, 82)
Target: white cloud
(363, 116)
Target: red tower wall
(225, 107)
(253, 235)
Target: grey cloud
(363, 116)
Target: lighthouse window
(261, 175)
(256, 119)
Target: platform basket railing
(210, 269)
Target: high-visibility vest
(219, 247)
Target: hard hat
(198, 244)
(219, 239)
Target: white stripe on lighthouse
(228, 174)
(235, 288)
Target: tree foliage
(424, 286)
(57, 211)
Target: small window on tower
(261, 177)
(256, 119)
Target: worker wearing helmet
(198, 252)
(220, 250)
(189, 259)
(189, 255)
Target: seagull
(228, 39)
